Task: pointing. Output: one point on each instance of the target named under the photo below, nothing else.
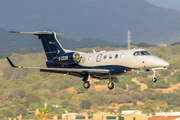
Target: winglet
(12, 65)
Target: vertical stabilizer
(51, 45)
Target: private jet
(100, 65)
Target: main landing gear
(87, 80)
(111, 85)
(86, 84)
(154, 79)
(111, 82)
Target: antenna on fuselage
(129, 40)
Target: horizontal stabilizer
(36, 33)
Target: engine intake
(70, 58)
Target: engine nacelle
(68, 58)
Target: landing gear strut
(154, 79)
(86, 80)
(111, 82)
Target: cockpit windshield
(142, 53)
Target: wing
(61, 69)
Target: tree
(6, 112)
(100, 98)
(164, 72)
(43, 114)
(134, 103)
(81, 89)
(85, 104)
(95, 106)
(137, 95)
(20, 109)
(21, 93)
(150, 94)
(32, 97)
(125, 98)
(122, 85)
(17, 101)
(124, 107)
(65, 103)
(149, 106)
(34, 106)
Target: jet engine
(70, 58)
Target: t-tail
(51, 45)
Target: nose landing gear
(154, 79)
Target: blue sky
(171, 4)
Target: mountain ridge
(102, 19)
(10, 42)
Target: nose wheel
(86, 84)
(154, 79)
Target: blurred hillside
(22, 89)
(10, 42)
(103, 19)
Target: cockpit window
(142, 53)
(145, 53)
(136, 53)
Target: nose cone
(162, 63)
(165, 64)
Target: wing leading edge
(61, 69)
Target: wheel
(111, 85)
(86, 84)
(154, 79)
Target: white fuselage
(124, 58)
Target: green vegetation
(23, 91)
(124, 107)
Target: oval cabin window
(110, 56)
(99, 58)
(105, 56)
(122, 55)
(116, 56)
(89, 58)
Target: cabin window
(136, 53)
(116, 56)
(89, 58)
(122, 55)
(98, 59)
(105, 56)
(110, 56)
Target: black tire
(154, 79)
(111, 85)
(86, 84)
